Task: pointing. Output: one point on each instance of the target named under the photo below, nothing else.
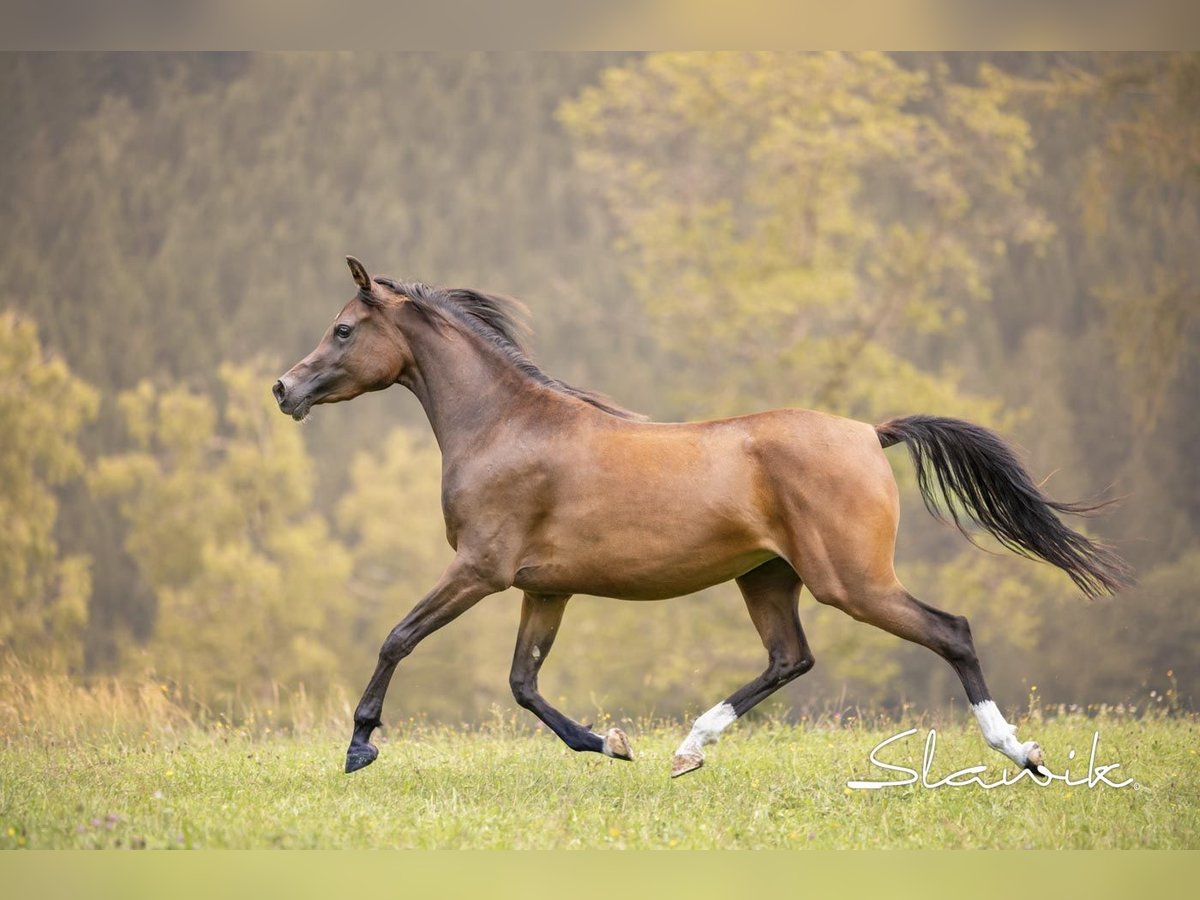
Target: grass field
(766, 785)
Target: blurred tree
(1123, 648)
(817, 230)
(807, 218)
(251, 586)
(1106, 329)
(43, 597)
(1137, 197)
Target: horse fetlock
(365, 724)
(584, 740)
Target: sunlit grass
(126, 768)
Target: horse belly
(625, 582)
(653, 512)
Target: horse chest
(486, 501)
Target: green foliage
(805, 217)
(391, 514)
(1152, 630)
(1143, 186)
(1109, 319)
(43, 595)
(1138, 203)
(249, 582)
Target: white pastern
(707, 729)
(999, 734)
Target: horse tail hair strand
(967, 463)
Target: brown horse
(557, 491)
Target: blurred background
(1008, 238)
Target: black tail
(976, 467)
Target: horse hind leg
(540, 618)
(771, 592)
(897, 611)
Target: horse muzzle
(292, 402)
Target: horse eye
(342, 331)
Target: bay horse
(558, 491)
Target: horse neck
(465, 387)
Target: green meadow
(505, 785)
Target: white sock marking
(707, 729)
(998, 733)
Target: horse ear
(359, 271)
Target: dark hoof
(360, 756)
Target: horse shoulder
(488, 496)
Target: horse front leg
(460, 588)
(540, 617)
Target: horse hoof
(616, 745)
(1033, 757)
(684, 763)
(360, 756)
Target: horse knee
(395, 648)
(523, 690)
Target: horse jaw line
(707, 729)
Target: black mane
(500, 322)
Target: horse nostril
(279, 392)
